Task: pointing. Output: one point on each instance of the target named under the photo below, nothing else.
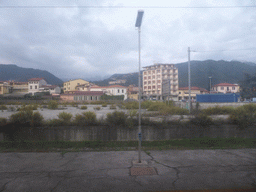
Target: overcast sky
(92, 43)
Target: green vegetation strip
(179, 144)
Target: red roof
(35, 79)
(90, 93)
(193, 88)
(225, 84)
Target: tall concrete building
(160, 82)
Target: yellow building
(71, 85)
(4, 88)
(184, 92)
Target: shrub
(54, 122)
(202, 120)
(112, 107)
(28, 107)
(104, 105)
(116, 118)
(244, 116)
(65, 117)
(157, 106)
(97, 108)
(37, 119)
(218, 110)
(3, 121)
(83, 107)
(27, 117)
(132, 105)
(3, 107)
(133, 113)
(86, 118)
(52, 104)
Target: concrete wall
(207, 105)
(149, 133)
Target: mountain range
(19, 74)
(200, 71)
(219, 71)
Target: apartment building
(4, 88)
(160, 81)
(226, 88)
(71, 85)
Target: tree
(248, 86)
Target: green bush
(54, 122)
(218, 110)
(244, 116)
(131, 105)
(28, 107)
(104, 105)
(112, 107)
(133, 113)
(202, 120)
(65, 117)
(3, 107)
(37, 119)
(53, 104)
(3, 121)
(157, 106)
(86, 118)
(97, 108)
(27, 117)
(116, 118)
(83, 107)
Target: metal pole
(139, 103)
(189, 88)
(210, 84)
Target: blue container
(217, 98)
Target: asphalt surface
(111, 171)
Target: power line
(224, 50)
(124, 7)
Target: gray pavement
(111, 171)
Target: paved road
(111, 171)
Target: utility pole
(210, 84)
(189, 88)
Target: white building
(160, 81)
(34, 84)
(52, 89)
(114, 90)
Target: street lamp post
(210, 84)
(138, 24)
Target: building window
(145, 82)
(145, 73)
(227, 88)
(158, 86)
(154, 77)
(30, 87)
(153, 82)
(35, 87)
(158, 76)
(233, 88)
(145, 77)
(118, 91)
(149, 77)
(158, 71)
(153, 87)
(149, 82)
(145, 87)
(149, 72)
(149, 87)
(158, 81)
(122, 91)
(222, 88)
